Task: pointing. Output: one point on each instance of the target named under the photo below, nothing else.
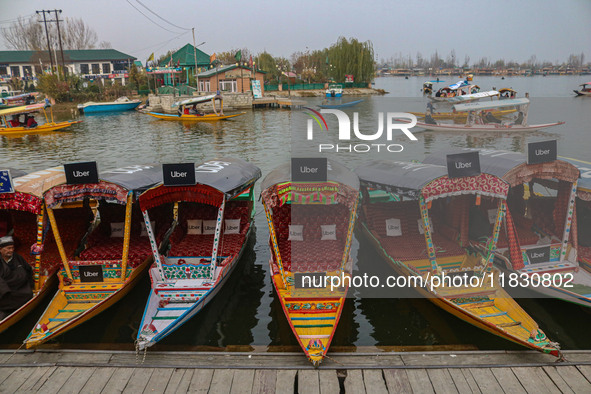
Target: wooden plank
(419, 381)
(397, 381)
(586, 371)
(470, 380)
(33, 384)
(507, 380)
(138, 380)
(460, 381)
(534, 380)
(34, 375)
(77, 381)
(563, 376)
(200, 381)
(485, 380)
(57, 379)
(354, 381)
(242, 381)
(184, 381)
(285, 382)
(5, 372)
(221, 382)
(374, 382)
(18, 376)
(329, 382)
(98, 380)
(159, 380)
(118, 380)
(264, 381)
(441, 381)
(308, 381)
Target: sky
(500, 29)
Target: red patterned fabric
(20, 202)
(513, 241)
(202, 194)
(102, 190)
(484, 184)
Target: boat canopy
(19, 97)
(457, 85)
(195, 100)
(473, 96)
(512, 166)
(505, 90)
(341, 186)
(19, 200)
(413, 180)
(216, 180)
(113, 186)
(24, 109)
(479, 106)
(584, 186)
(586, 83)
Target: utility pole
(47, 35)
(59, 35)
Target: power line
(170, 23)
(148, 18)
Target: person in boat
(16, 279)
(519, 119)
(195, 111)
(429, 119)
(14, 122)
(438, 94)
(30, 122)
(490, 118)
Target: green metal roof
(71, 55)
(222, 69)
(186, 55)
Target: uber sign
(91, 273)
(461, 165)
(541, 152)
(309, 169)
(81, 173)
(180, 174)
(538, 255)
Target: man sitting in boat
(490, 118)
(195, 111)
(16, 280)
(14, 122)
(30, 121)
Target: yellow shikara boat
(6, 127)
(97, 227)
(311, 227)
(22, 212)
(186, 114)
(419, 218)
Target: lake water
(246, 314)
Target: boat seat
(202, 245)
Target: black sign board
(541, 152)
(6, 182)
(538, 255)
(309, 169)
(91, 273)
(80, 173)
(463, 164)
(179, 174)
(310, 280)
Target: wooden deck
(277, 102)
(70, 371)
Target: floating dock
(277, 102)
(82, 371)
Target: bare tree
(77, 35)
(25, 34)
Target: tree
(29, 34)
(351, 57)
(229, 57)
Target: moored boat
(311, 229)
(539, 239)
(506, 93)
(30, 126)
(213, 217)
(19, 100)
(422, 229)
(479, 117)
(188, 111)
(585, 90)
(97, 227)
(334, 90)
(340, 105)
(121, 104)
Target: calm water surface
(246, 314)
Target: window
(3, 70)
(27, 71)
(96, 69)
(84, 69)
(120, 66)
(228, 86)
(38, 70)
(106, 68)
(15, 71)
(204, 86)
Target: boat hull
(344, 105)
(193, 118)
(39, 129)
(581, 93)
(485, 128)
(93, 302)
(112, 107)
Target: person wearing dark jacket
(16, 279)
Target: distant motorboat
(121, 104)
(334, 90)
(585, 90)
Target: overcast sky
(507, 29)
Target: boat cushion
(194, 226)
(296, 232)
(117, 229)
(329, 232)
(232, 226)
(393, 228)
(209, 227)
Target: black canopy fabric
(402, 178)
(494, 162)
(136, 178)
(337, 172)
(228, 175)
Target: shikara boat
(187, 114)
(479, 118)
(6, 127)
(506, 93)
(341, 105)
(334, 90)
(457, 89)
(22, 214)
(311, 228)
(539, 235)
(212, 221)
(121, 104)
(17, 101)
(98, 231)
(422, 229)
(585, 90)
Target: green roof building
(185, 57)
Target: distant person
(14, 122)
(519, 119)
(30, 122)
(16, 279)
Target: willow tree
(351, 57)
